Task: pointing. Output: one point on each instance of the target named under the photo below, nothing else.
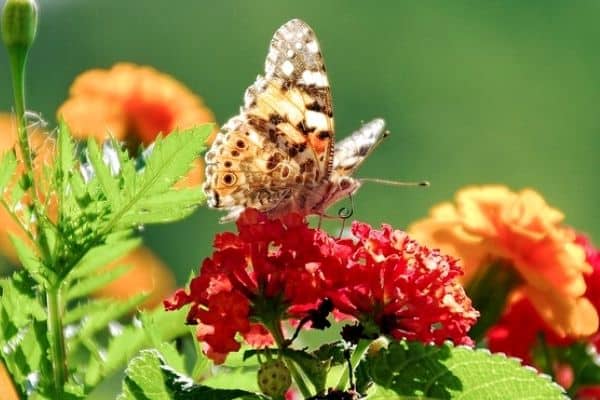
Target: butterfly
(278, 154)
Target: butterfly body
(278, 154)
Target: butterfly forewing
(282, 141)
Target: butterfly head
(340, 187)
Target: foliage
(149, 377)
(101, 202)
(445, 372)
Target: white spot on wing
(316, 78)
(287, 68)
(312, 47)
(316, 120)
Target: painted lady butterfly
(278, 154)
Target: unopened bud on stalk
(19, 24)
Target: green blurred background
(473, 92)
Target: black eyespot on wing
(229, 179)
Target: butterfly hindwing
(354, 149)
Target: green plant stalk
(17, 63)
(360, 350)
(275, 330)
(548, 358)
(18, 59)
(56, 338)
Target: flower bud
(274, 378)
(19, 23)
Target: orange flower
(7, 390)
(147, 273)
(133, 104)
(489, 224)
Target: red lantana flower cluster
(396, 287)
(277, 270)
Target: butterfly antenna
(394, 183)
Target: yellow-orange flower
(133, 104)
(147, 274)
(491, 223)
(130, 102)
(7, 390)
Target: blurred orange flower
(133, 104)
(492, 224)
(7, 390)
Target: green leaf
(65, 164)
(84, 309)
(65, 148)
(171, 206)
(88, 286)
(156, 326)
(30, 261)
(8, 165)
(103, 173)
(102, 255)
(19, 297)
(116, 309)
(23, 330)
(445, 372)
(18, 191)
(316, 370)
(172, 157)
(148, 377)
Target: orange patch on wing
(318, 144)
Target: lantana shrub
(489, 297)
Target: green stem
(498, 278)
(56, 338)
(17, 63)
(18, 58)
(275, 330)
(548, 359)
(357, 354)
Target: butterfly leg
(343, 214)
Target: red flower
(268, 272)
(396, 287)
(277, 270)
(521, 326)
(588, 393)
(519, 329)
